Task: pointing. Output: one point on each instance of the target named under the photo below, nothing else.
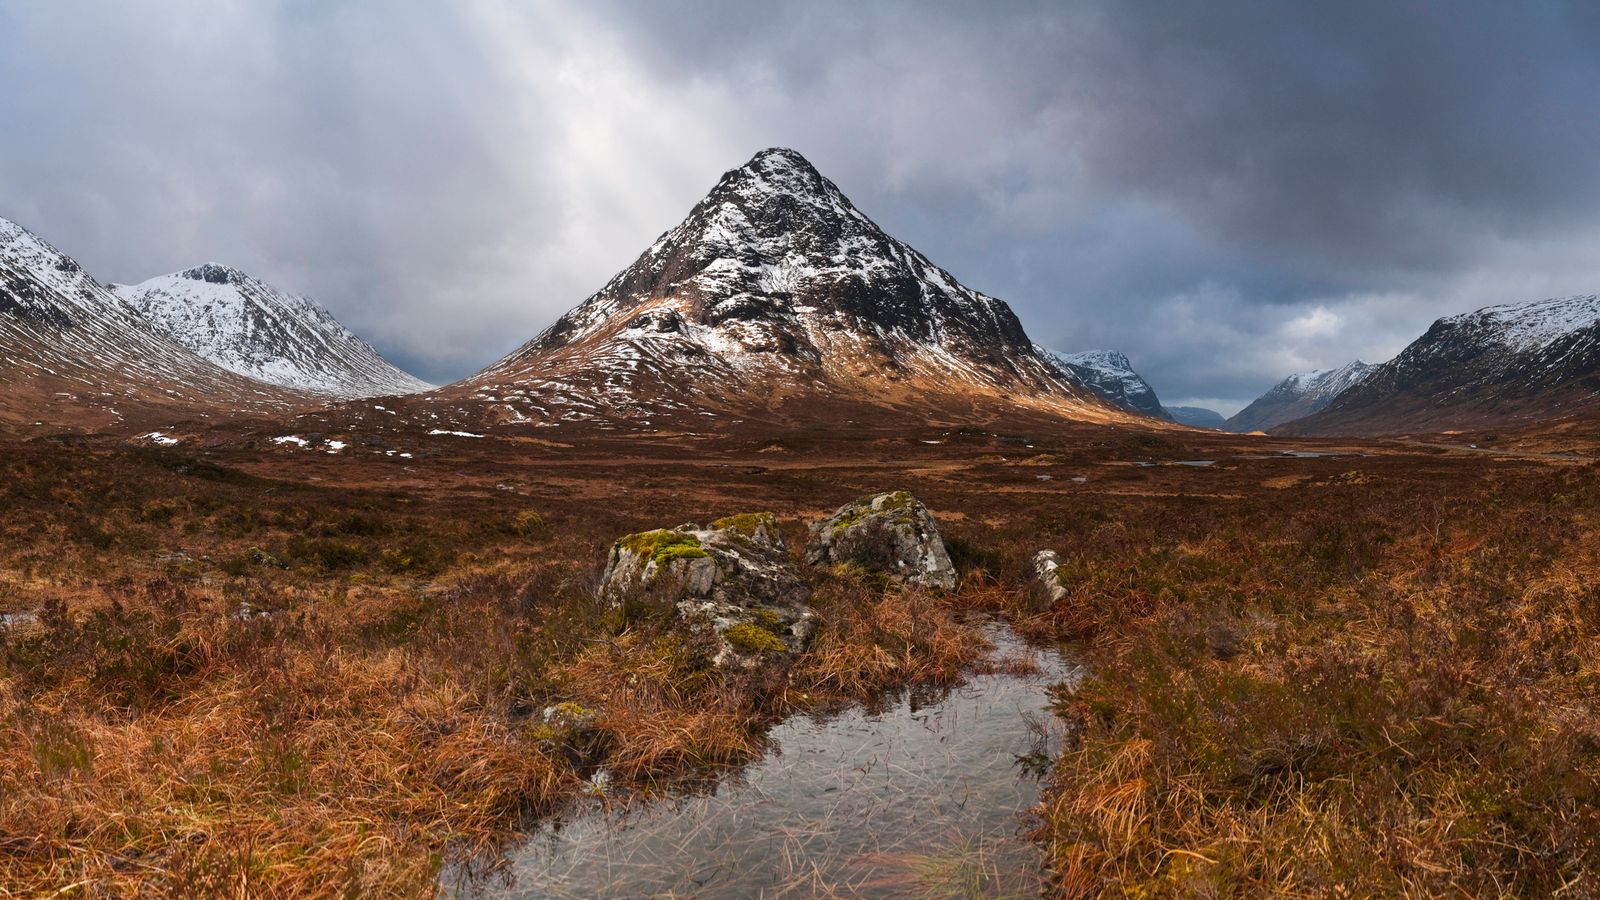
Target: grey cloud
(1225, 191)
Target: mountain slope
(1196, 416)
(72, 354)
(250, 327)
(1110, 374)
(1506, 364)
(1297, 396)
(775, 299)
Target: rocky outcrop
(730, 588)
(890, 533)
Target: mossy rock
(731, 591)
(761, 528)
(890, 533)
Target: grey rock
(1046, 565)
(892, 533)
(730, 588)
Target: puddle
(924, 795)
(1196, 462)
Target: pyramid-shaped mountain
(774, 297)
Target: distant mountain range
(1501, 365)
(1196, 416)
(1297, 396)
(777, 299)
(774, 301)
(74, 355)
(250, 327)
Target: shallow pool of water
(926, 794)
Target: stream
(923, 794)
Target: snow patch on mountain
(774, 286)
(250, 327)
(1298, 396)
(1110, 374)
(1533, 326)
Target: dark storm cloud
(1225, 191)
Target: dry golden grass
(1397, 701)
(332, 692)
(1373, 675)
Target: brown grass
(1372, 675)
(1388, 693)
(273, 687)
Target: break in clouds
(1227, 192)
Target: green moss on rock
(568, 711)
(897, 501)
(663, 546)
(747, 524)
(750, 638)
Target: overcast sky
(1226, 191)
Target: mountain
(1196, 416)
(776, 299)
(1110, 374)
(1297, 396)
(73, 354)
(250, 327)
(1500, 365)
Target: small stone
(1046, 570)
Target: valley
(236, 659)
(278, 618)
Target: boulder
(729, 588)
(1047, 576)
(890, 533)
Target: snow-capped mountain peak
(1500, 364)
(1530, 326)
(1110, 374)
(74, 354)
(774, 286)
(1298, 396)
(1325, 383)
(250, 327)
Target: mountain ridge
(1504, 364)
(1297, 396)
(253, 328)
